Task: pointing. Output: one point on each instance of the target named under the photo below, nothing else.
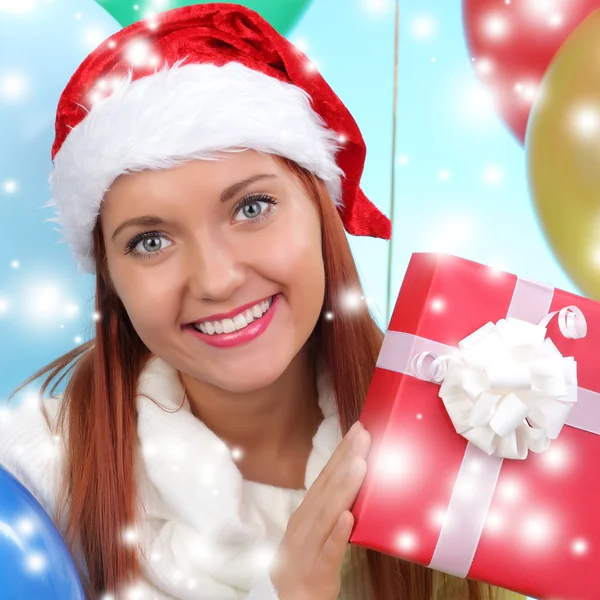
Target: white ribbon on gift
(466, 514)
(507, 388)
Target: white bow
(507, 388)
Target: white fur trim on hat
(186, 112)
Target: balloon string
(393, 182)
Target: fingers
(331, 559)
(339, 456)
(334, 496)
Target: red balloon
(512, 42)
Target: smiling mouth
(235, 323)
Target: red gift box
(530, 525)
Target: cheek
(148, 305)
(291, 255)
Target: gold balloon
(563, 156)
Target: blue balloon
(34, 560)
(45, 306)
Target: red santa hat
(185, 85)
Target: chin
(241, 380)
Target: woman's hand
(309, 560)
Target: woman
(210, 199)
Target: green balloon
(281, 14)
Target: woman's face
(218, 264)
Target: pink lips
(243, 336)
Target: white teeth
(228, 326)
(238, 322)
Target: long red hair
(98, 417)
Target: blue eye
(147, 244)
(254, 207)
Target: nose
(215, 271)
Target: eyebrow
(236, 188)
(226, 195)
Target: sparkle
(78, 16)
(526, 90)
(579, 547)
(14, 86)
(439, 516)
(138, 53)
(585, 121)
(36, 562)
(432, 59)
(352, 300)
(495, 27)
(94, 37)
(3, 306)
(475, 466)
(492, 175)
(302, 45)
(77, 339)
(419, 416)
(94, 97)
(509, 490)
(264, 557)
(477, 102)
(26, 527)
(112, 44)
(392, 464)
(328, 316)
(135, 592)
(556, 20)
(130, 535)
(484, 66)
(494, 522)
(555, 458)
(342, 138)
(136, 7)
(237, 454)
(149, 450)
(10, 186)
(444, 175)
(437, 305)
(152, 23)
(15, 264)
(377, 7)
(71, 309)
(17, 6)
(406, 542)
(497, 267)
(43, 302)
(403, 160)
(536, 529)
(423, 27)
(96, 316)
(450, 233)
(312, 66)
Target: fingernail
(354, 430)
(361, 441)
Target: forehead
(200, 180)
